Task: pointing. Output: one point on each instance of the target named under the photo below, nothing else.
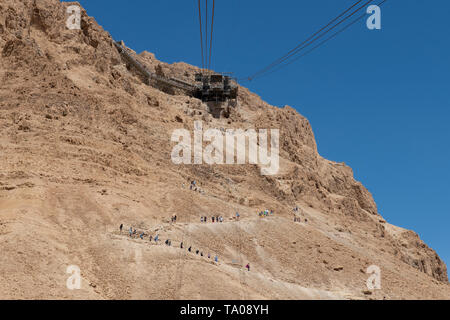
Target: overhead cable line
(311, 39)
(212, 30)
(206, 35)
(201, 31)
(292, 50)
(321, 43)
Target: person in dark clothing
(121, 227)
(197, 251)
(248, 266)
(181, 245)
(190, 249)
(212, 219)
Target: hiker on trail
(181, 245)
(248, 266)
(141, 236)
(190, 249)
(134, 232)
(121, 227)
(237, 215)
(157, 238)
(197, 251)
(212, 219)
(167, 242)
(131, 231)
(151, 238)
(216, 259)
(175, 218)
(201, 254)
(209, 256)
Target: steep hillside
(85, 145)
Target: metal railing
(150, 75)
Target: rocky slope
(85, 146)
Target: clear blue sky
(377, 100)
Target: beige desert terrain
(85, 145)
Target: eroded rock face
(75, 116)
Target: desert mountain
(85, 145)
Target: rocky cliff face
(85, 146)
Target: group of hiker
(194, 187)
(265, 213)
(296, 210)
(213, 219)
(198, 252)
(218, 219)
(132, 232)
